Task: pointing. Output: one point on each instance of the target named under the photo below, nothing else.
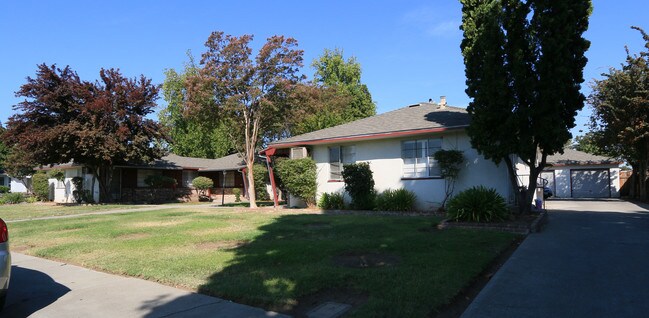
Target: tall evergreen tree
(524, 66)
(620, 117)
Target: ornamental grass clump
(478, 204)
(400, 200)
(331, 201)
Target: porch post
(269, 152)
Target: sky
(409, 50)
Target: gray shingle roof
(415, 117)
(172, 161)
(576, 157)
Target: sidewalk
(44, 288)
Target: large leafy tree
(245, 93)
(524, 66)
(190, 136)
(98, 124)
(620, 103)
(333, 71)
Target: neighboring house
(399, 146)
(15, 185)
(576, 174)
(128, 184)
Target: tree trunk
(251, 183)
(519, 193)
(642, 180)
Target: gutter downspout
(269, 152)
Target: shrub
(4, 189)
(237, 194)
(78, 193)
(332, 201)
(31, 199)
(260, 173)
(40, 186)
(57, 174)
(12, 198)
(202, 184)
(359, 183)
(396, 200)
(478, 204)
(299, 178)
(157, 181)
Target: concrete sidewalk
(590, 261)
(44, 288)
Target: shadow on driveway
(30, 291)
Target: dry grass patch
(221, 245)
(133, 236)
(147, 224)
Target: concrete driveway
(43, 288)
(591, 260)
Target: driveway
(591, 260)
(43, 288)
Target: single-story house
(576, 174)
(128, 182)
(14, 184)
(399, 146)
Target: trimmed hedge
(299, 178)
(40, 186)
(359, 183)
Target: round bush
(478, 204)
(202, 183)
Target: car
(5, 262)
(547, 192)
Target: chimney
(442, 102)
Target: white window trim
(412, 173)
(342, 160)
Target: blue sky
(409, 50)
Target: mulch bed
(522, 224)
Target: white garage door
(590, 183)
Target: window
(418, 161)
(229, 179)
(142, 174)
(188, 177)
(339, 156)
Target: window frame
(336, 175)
(423, 164)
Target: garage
(576, 174)
(591, 183)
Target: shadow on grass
(381, 265)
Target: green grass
(272, 259)
(247, 204)
(10, 212)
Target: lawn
(10, 212)
(276, 260)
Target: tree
(97, 124)
(4, 150)
(190, 136)
(620, 116)
(450, 163)
(589, 142)
(245, 94)
(524, 65)
(333, 71)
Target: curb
(535, 227)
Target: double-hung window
(339, 156)
(418, 160)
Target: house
(399, 146)
(576, 174)
(14, 184)
(128, 181)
